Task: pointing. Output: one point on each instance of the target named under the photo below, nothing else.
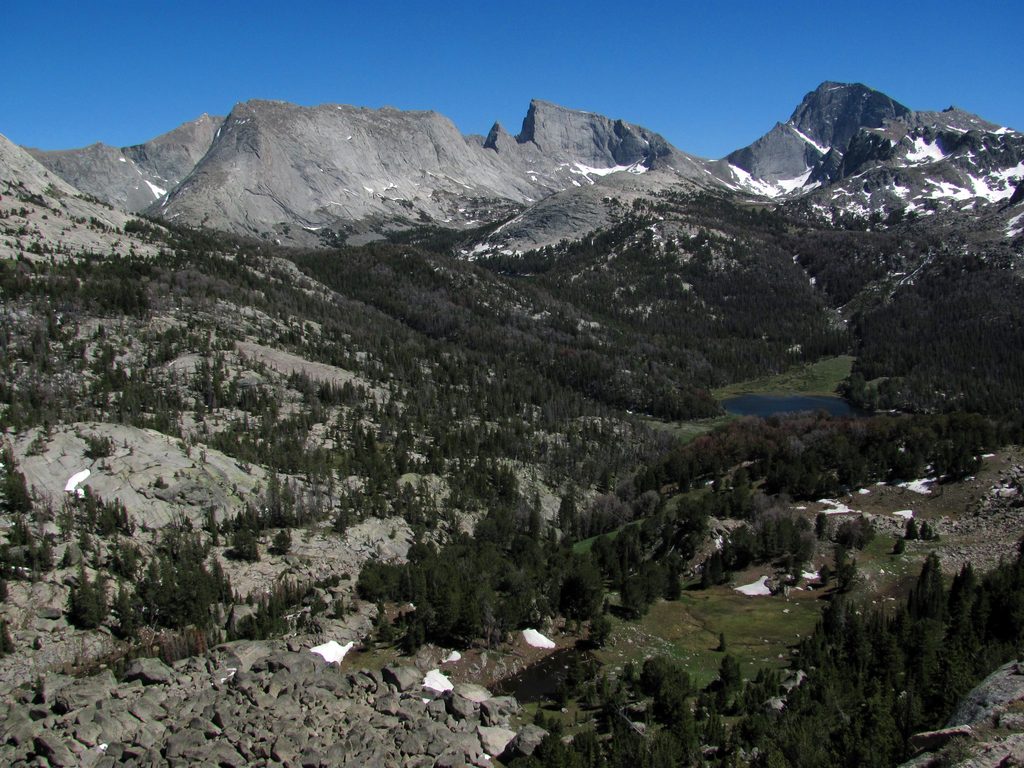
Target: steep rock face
(274, 166)
(571, 148)
(781, 154)
(833, 113)
(807, 149)
(172, 156)
(277, 169)
(103, 172)
(132, 178)
(564, 135)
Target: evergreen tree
(127, 613)
(244, 545)
(568, 519)
(87, 601)
(674, 581)
(713, 571)
(282, 543)
(729, 681)
(14, 496)
(600, 630)
(928, 598)
(581, 592)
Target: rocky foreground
(253, 704)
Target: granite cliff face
(276, 167)
(132, 178)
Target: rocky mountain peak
(833, 113)
(915, 161)
(808, 148)
(594, 140)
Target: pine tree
(674, 583)
(87, 601)
(928, 599)
(127, 613)
(730, 680)
(244, 545)
(568, 516)
(600, 630)
(282, 543)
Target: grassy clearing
(374, 657)
(585, 545)
(884, 575)
(820, 378)
(759, 631)
(687, 431)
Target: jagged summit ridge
(593, 139)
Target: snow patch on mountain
(809, 140)
(924, 152)
(777, 188)
(588, 171)
(157, 191)
(946, 190)
(1012, 228)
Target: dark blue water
(780, 405)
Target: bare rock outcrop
(274, 705)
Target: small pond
(779, 405)
(540, 681)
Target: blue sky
(710, 77)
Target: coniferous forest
(544, 427)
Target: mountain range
(297, 174)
